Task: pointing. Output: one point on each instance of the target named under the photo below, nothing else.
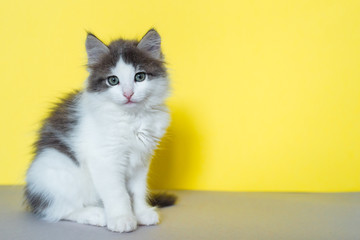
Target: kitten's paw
(124, 223)
(148, 217)
(89, 215)
(96, 217)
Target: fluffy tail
(161, 199)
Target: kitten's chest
(140, 133)
(143, 135)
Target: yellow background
(265, 93)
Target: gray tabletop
(208, 215)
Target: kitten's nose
(128, 95)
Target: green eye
(113, 80)
(140, 76)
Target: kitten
(93, 152)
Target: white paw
(96, 217)
(124, 223)
(148, 217)
(89, 215)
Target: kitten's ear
(150, 43)
(95, 49)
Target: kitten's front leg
(145, 214)
(109, 178)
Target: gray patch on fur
(58, 126)
(37, 202)
(129, 51)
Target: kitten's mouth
(129, 102)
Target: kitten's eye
(140, 76)
(113, 80)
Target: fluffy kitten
(93, 152)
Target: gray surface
(208, 215)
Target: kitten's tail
(161, 199)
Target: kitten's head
(128, 73)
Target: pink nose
(128, 95)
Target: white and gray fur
(93, 152)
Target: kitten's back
(58, 126)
